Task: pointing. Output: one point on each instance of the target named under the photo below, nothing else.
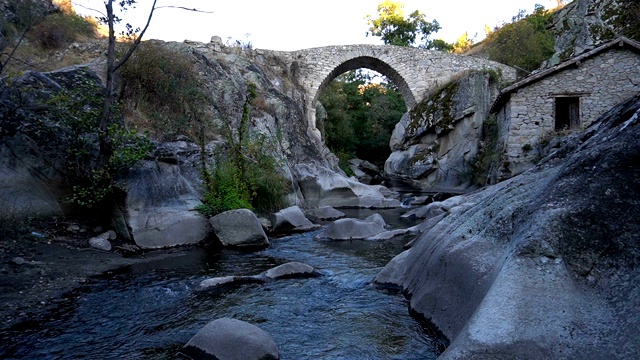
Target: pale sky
(299, 24)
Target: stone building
(565, 98)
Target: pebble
(18, 260)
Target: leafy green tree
(361, 116)
(394, 28)
(525, 42)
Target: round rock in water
(231, 339)
(290, 270)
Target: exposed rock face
(582, 25)
(434, 144)
(231, 339)
(162, 196)
(239, 228)
(544, 265)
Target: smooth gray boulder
(229, 280)
(321, 186)
(239, 228)
(290, 270)
(231, 339)
(324, 213)
(291, 219)
(162, 197)
(543, 265)
(376, 218)
(100, 243)
(350, 229)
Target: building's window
(567, 113)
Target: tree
(463, 44)
(394, 29)
(110, 18)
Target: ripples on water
(150, 311)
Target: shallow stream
(150, 311)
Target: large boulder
(434, 144)
(350, 229)
(239, 228)
(544, 265)
(321, 186)
(163, 195)
(291, 219)
(231, 339)
(324, 213)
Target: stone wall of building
(600, 82)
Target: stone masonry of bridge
(416, 72)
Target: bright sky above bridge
(299, 24)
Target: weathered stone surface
(239, 228)
(100, 243)
(543, 265)
(350, 229)
(291, 219)
(324, 187)
(434, 144)
(231, 339)
(160, 207)
(376, 218)
(290, 270)
(324, 213)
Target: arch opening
(360, 115)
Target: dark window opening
(567, 113)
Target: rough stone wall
(601, 82)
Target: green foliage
(78, 112)
(394, 29)
(360, 117)
(488, 154)
(226, 190)
(249, 176)
(525, 43)
(60, 29)
(164, 86)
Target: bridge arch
(370, 63)
(416, 72)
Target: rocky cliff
(543, 265)
(583, 25)
(434, 144)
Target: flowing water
(150, 311)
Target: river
(149, 311)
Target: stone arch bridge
(416, 72)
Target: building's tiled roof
(506, 92)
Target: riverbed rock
(161, 202)
(100, 243)
(228, 280)
(291, 219)
(231, 339)
(543, 265)
(435, 208)
(350, 229)
(239, 228)
(292, 269)
(322, 186)
(324, 213)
